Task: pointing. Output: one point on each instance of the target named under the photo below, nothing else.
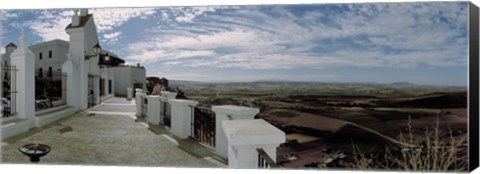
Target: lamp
(95, 50)
(107, 57)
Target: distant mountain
(402, 84)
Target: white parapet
(154, 109)
(129, 93)
(229, 112)
(181, 117)
(139, 97)
(245, 136)
(169, 95)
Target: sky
(416, 42)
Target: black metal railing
(50, 90)
(144, 106)
(9, 91)
(92, 98)
(166, 112)
(203, 125)
(265, 161)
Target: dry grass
(429, 153)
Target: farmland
(323, 121)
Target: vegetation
(429, 153)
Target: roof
(83, 21)
(50, 43)
(11, 45)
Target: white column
(73, 83)
(129, 93)
(154, 109)
(25, 81)
(96, 89)
(229, 112)
(181, 117)
(169, 95)
(245, 136)
(105, 80)
(112, 77)
(139, 97)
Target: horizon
(420, 43)
(326, 82)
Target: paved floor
(110, 134)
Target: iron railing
(166, 112)
(203, 125)
(144, 106)
(92, 98)
(50, 90)
(265, 161)
(8, 91)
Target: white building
(8, 50)
(131, 77)
(49, 56)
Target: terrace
(117, 133)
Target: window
(50, 54)
(49, 71)
(40, 56)
(40, 72)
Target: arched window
(40, 56)
(50, 54)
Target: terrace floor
(110, 134)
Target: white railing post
(181, 117)
(25, 82)
(229, 112)
(154, 109)
(139, 97)
(129, 93)
(245, 136)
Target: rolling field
(324, 120)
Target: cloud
(398, 35)
(111, 37)
(50, 24)
(107, 19)
(187, 14)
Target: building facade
(49, 57)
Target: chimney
(75, 19)
(83, 12)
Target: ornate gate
(166, 112)
(9, 91)
(203, 125)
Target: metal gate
(9, 90)
(166, 112)
(144, 106)
(91, 90)
(203, 125)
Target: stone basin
(34, 151)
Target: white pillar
(106, 77)
(139, 97)
(25, 81)
(154, 109)
(229, 112)
(181, 117)
(96, 89)
(73, 83)
(169, 95)
(245, 136)
(129, 93)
